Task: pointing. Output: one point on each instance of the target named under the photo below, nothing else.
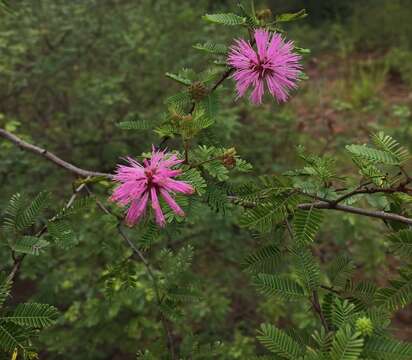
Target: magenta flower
(274, 61)
(154, 178)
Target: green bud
(364, 325)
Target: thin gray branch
(86, 173)
(19, 260)
(152, 276)
(49, 156)
(354, 210)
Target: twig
(19, 260)
(330, 289)
(306, 206)
(224, 76)
(354, 210)
(365, 190)
(50, 156)
(314, 300)
(318, 309)
(152, 276)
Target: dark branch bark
(318, 309)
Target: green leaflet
(225, 19)
(263, 260)
(308, 269)
(401, 242)
(141, 124)
(32, 315)
(62, 234)
(278, 342)
(31, 245)
(28, 216)
(211, 48)
(347, 345)
(265, 215)
(397, 295)
(385, 348)
(374, 155)
(275, 285)
(306, 224)
(391, 146)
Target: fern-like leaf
(401, 242)
(279, 343)
(225, 19)
(341, 270)
(341, 312)
(33, 315)
(179, 78)
(141, 124)
(14, 207)
(275, 285)
(384, 348)
(263, 260)
(391, 146)
(347, 345)
(30, 245)
(212, 48)
(62, 234)
(307, 267)
(398, 295)
(194, 177)
(12, 337)
(306, 224)
(28, 216)
(375, 156)
(265, 215)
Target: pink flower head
(274, 61)
(139, 183)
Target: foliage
(95, 81)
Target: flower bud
(229, 158)
(198, 90)
(264, 14)
(364, 325)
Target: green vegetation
(297, 242)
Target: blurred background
(71, 70)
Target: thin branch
(359, 211)
(224, 76)
(19, 260)
(49, 156)
(152, 276)
(306, 206)
(314, 299)
(330, 289)
(318, 309)
(366, 190)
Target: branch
(318, 205)
(354, 210)
(365, 190)
(318, 309)
(19, 260)
(152, 276)
(314, 299)
(49, 156)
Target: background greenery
(71, 70)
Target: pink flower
(139, 183)
(274, 61)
